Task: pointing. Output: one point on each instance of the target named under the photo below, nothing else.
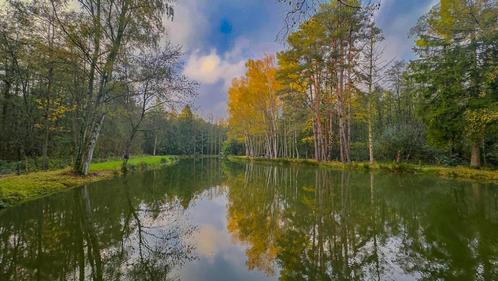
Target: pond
(220, 220)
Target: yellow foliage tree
(254, 108)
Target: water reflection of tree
(253, 215)
(316, 224)
(129, 229)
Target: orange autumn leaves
(254, 106)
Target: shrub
(232, 147)
(406, 141)
(491, 154)
(397, 168)
(3, 204)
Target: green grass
(453, 172)
(133, 162)
(462, 172)
(15, 189)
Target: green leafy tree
(456, 69)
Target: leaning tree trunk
(475, 157)
(90, 148)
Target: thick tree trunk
(475, 157)
(90, 148)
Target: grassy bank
(19, 188)
(453, 172)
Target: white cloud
(211, 68)
(189, 25)
(213, 59)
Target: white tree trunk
(85, 167)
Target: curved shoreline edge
(17, 189)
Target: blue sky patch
(225, 26)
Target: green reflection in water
(319, 224)
(285, 222)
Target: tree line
(334, 94)
(92, 78)
(184, 133)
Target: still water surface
(216, 220)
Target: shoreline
(458, 172)
(17, 189)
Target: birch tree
(105, 28)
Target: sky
(218, 36)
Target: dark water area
(219, 220)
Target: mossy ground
(18, 188)
(453, 172)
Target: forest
(97, 81)
(103, 81)
(335, 94)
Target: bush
(491, 154)
(448, 159)
(31, 165)
(359, 151)
(3, 204)
(406, 141)
(6, 167)
(397, 168)
(232, 147)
